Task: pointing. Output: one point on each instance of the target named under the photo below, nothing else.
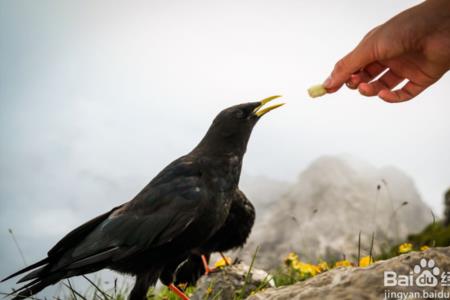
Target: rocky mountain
(335, 198)
(263, 191)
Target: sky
(97, 96)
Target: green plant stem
(105, 295)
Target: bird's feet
(224, 261)
(178, 292)
(208, 270)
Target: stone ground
(340, 283)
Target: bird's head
(231, 129)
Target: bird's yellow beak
(259, 111)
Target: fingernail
(352, 82)
(327, 83)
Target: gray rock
(368, 283)
(233, 282)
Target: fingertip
(334, 84)
(337, 78)
(388, 96)
(349, 65)
(330, 86)
(328, 83)
(333, 90)
(365, 89)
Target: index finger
(354, 61)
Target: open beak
(259, 111)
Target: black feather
(28, 268)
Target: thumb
(354, 61)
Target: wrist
(439, 9)
(437, 41)
(441, 4)
(432, 17)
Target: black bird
(237, 227)
(233, 234)
(173, 217)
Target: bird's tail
(33, 287)
(60, 263)
(38, 279)
(28, 268)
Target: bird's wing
(73, 237)
(157, 215)
(132, 228)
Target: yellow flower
(296, 265)
(292, 256)
(309, 269)
(222, 262)
(424, 247)
(365, 261)
(209, 290)
(343, 263)
(306, 268)
(323, 266)
(405, 248)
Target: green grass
(166, 294)
(288, 276)
(434, 235)
(99, 293)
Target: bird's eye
(239, 114)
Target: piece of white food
(317, 91)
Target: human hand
(414, 45)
